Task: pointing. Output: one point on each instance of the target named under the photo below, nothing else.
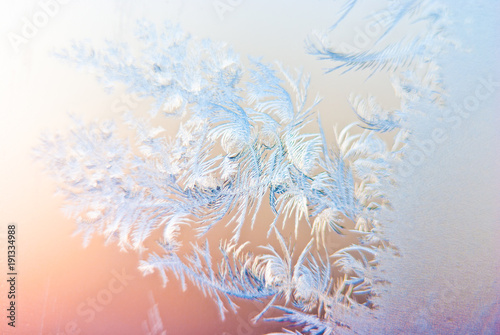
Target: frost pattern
(242, 145)
(153, 325)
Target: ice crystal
(241, 146)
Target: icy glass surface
(220, 174)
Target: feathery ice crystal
(242, 145)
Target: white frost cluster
(241, 146)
